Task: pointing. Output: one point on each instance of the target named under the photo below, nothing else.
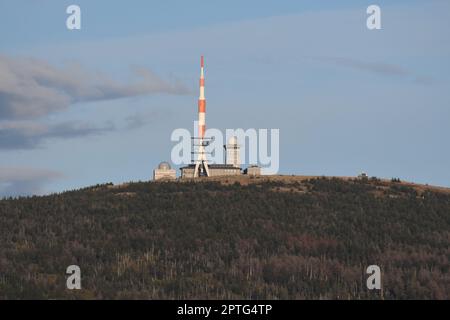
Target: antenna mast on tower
(201, 165)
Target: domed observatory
(164, 171)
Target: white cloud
(30, 88)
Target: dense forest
(268, 239)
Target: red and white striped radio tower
(201, 165)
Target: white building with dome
(164, 171)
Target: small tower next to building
(233, 153)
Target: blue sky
(97, 105)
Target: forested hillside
(309, 239)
